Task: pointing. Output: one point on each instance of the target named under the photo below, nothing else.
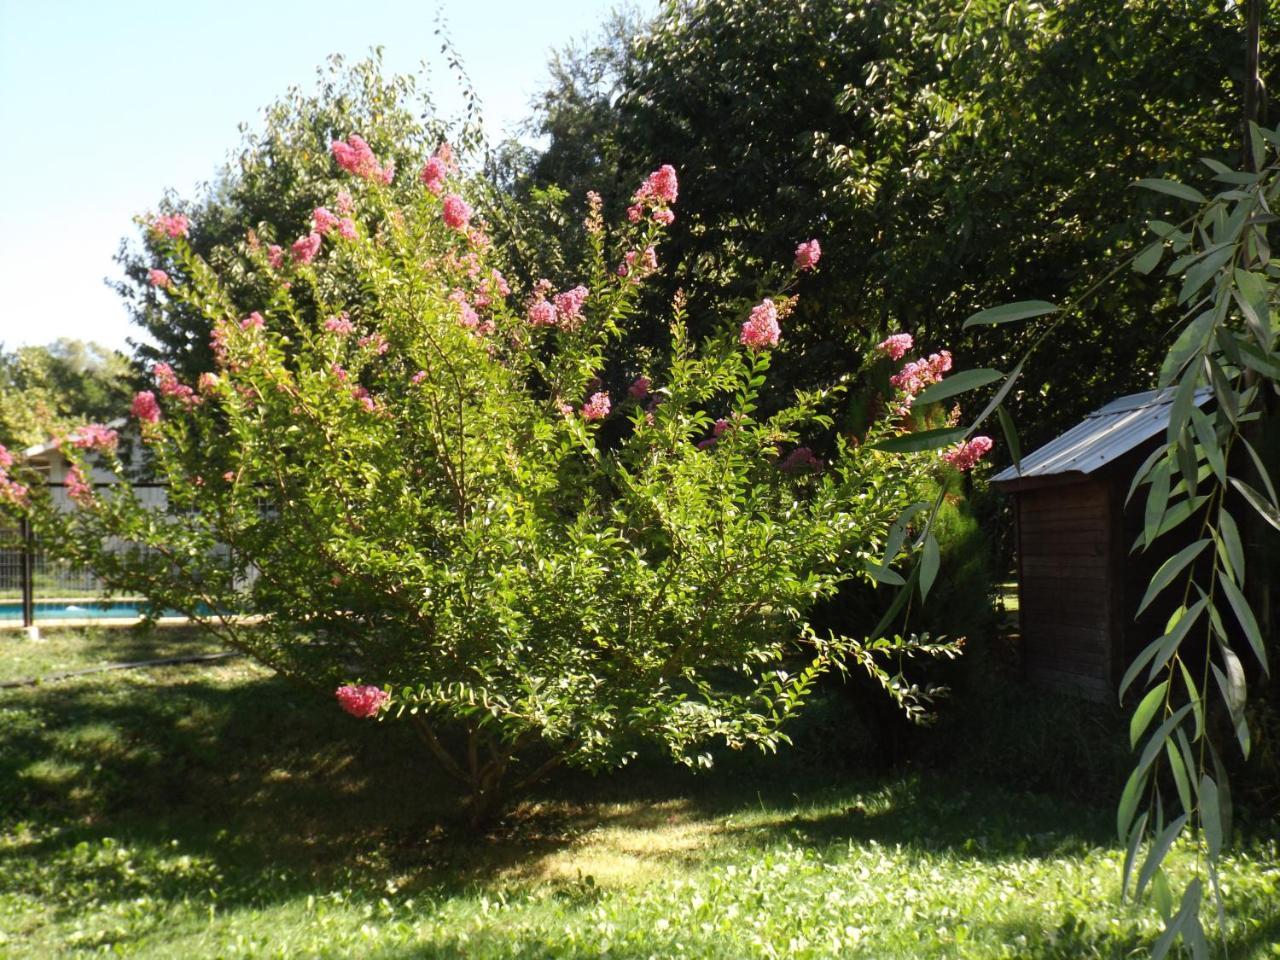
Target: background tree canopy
(951, 155)
(45, 390)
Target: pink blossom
(341, 325)
(275, 256)
(433, 175)
(169, 385)
(918, 374)
(638, 265)
(338, 371)
(145, 408)
(896, 346)
(664, 216)
(366, 401)
(12, 491)
(253, 321)
(218, 343)
(569, 304)
(388, 173)
(594, 221)
(95, 436)
(363, 702)
(207, 383)
(635, 212)
(717, 430)
(639, 388)
(800, 460)
(77, 487)
(418, 377)
(660, 186)
(347, 228)
(807, 255)
(158, 278)
(542, 313)
(356, 157)
(597, 407)
(345, 204)
(499, 283)
(467, 315)
(761, 329)
(456, 212)
(6, 458)
(324, 220)
(171, 225)
(445, 153)
(305, 248)
(964, 455)
(377, 341)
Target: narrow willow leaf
(1233, 692)
(1010, 436)
(1146, 711)
(1196, 277)
(1009, 312)
(1169, 570)
(1189, 343)
(1131, 852)
(1244, 615)
(1267, 364)
(1156, 742)
(1180, 410)
(1188, 910)
(884, 575)
(1262, 471)
(1000, 394)
(1188, 466)
(930, 561)
(1149, 258)
(1211, 815)
(1266, 510)
(1162, 648)
(1159, 850)
(1157, 500)
(898, 532)
(1172, 188)
(1177, 514)
(1133, 789)
(1193, 698)
(1180, 781)
(1142, 474)
(1207, 437)
(1252, 294)
(924, 440)
(958, 383)
(1161, 895)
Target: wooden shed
(1078, 583)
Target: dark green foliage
(951, 155)
(46, 390)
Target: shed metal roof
(1102, 436)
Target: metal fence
(35, 586)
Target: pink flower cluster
(433, 174)
(800, 460)
(639, 388)
(324, 220)
(275, 256)
(456, 212)
(169, 385)
(656, 195)
(717, 431)
(377, 342)
(964, 455)
(356, 157)
(896, 346)
(918, 374)
(78, 489)
(637, 265)
(94, 436)
(10, 490)
(569, 305)
(362, 395)
(761, 328)
(253, 321)
(340, 325)
(363, 701)
(145, 407)
(171, 225)
(158, 278)
(304, 249)
(597, 406)
(807, 255)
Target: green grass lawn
(217, 811)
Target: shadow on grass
(189, 780)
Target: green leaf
(1267, 364)
(1159, 850)
(1179, 770)
(1010, 436)
(930, 561)
(1188, 910)
(1146, 710)
(1211, 815)
(1169, 570)
(1244, 614)
(1157, 500)
(1172, 188)
(885, 575)
(924, 440)
(1267, 511)
(1129, 801)
(1131, 852)
(1147, 260)
(1009, 312)
(958, 383)
(1190, 342)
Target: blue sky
(104, 105)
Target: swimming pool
(11, 610)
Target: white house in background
(49, 460)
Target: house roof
(1103, 436)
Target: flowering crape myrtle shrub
(438, 510)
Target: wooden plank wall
(1066, 593)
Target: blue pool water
(86, 610)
